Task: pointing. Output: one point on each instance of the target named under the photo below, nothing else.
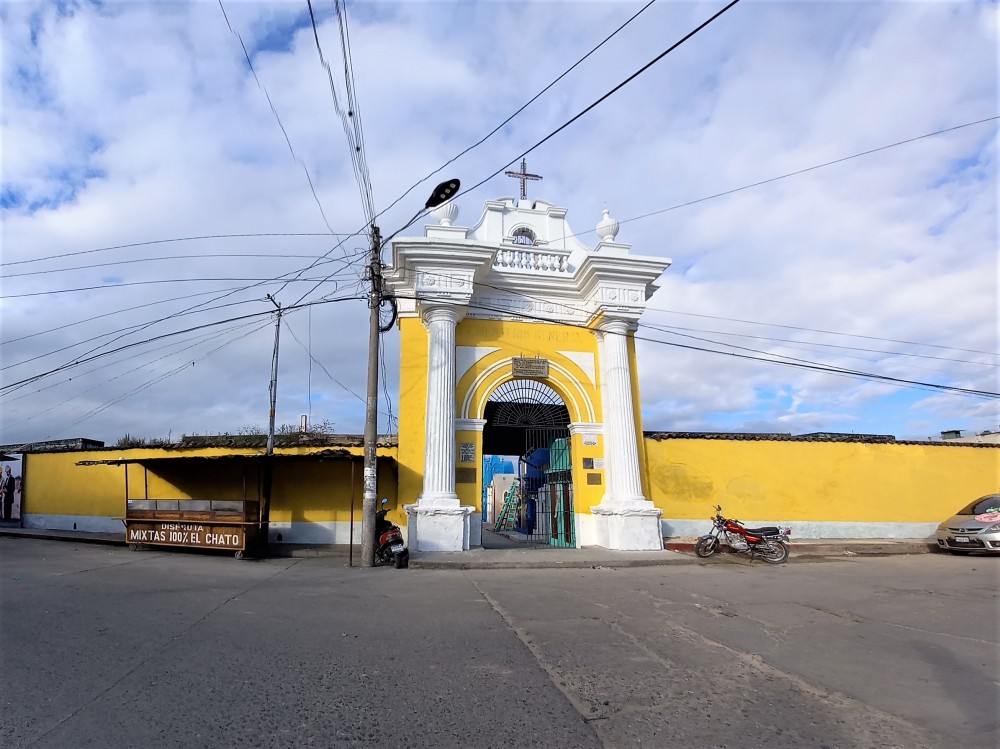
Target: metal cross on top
(524, 177)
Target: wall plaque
(466, 452)
(465, 475)
(524, 367)
(594, 479)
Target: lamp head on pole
(443, 193)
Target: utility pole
(267, 475)
(371, 409)
(441, 194)
(274, 377)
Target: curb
(677, 552)
(544, 564)
(834, 549)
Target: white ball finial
(446, 213)
(607, 228)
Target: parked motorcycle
(391, 549)
(770, 543)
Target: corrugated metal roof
(320, 455)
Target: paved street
(102, 647)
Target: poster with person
(10, 495)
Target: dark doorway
(527, 420)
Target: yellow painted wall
(306, 491)
(566, 377)
(781, 481)
(786, 481)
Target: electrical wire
(350, 118)
(605, 96)
(196, 309)
(158, 258)
(274, 111)
(35, 378)
(786, 341)
(826, 332)
(796, 364)
(149, 242)
(572, 309)
(524, 106)
(200, 341)
(150, 383)
(793, 174)
(777, 355)
(321, 366)
(385, 390)
(114, 362)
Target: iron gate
(527, 417)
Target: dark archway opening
(527, 481)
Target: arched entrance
(527, 476)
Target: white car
(976, 527)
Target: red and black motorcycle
(390, 549)
(770, 543)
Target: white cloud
(129, 122)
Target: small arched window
(524, 236)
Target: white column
(624, 478)
(439, 434)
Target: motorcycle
(391, 549)
(770, 543)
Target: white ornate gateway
(518, 297)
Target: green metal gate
(559, 479)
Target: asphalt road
(102, 647)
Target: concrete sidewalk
(677, 551)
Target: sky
(138, 146)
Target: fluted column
(624, 478)
(439, 446)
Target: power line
(825, 332)
(524, 106)
(274, 111)
(149, 242)
(50, 372)
(153, 283)
(202, 340)
(772, 353)
(787, 341)
(158, 258)
(99, 367)
(791, 174)
(142, 326)
(351, 118)
(155, 381)
(579, 310)
(796, 364)
(320, 364)
(621, 85)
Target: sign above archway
(522, 367)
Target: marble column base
(628, 526)
(436, 528)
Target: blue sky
(128, 123)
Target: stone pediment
(521, 261)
